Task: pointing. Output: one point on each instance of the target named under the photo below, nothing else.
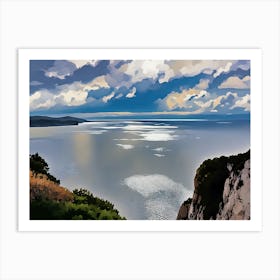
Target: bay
(145, 167)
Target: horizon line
(144, 113)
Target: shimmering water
(145, 167)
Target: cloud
(131, 94)
(181, 100)
(41, 100)
(178, 99)
(222, 69)
(162, 195)
(97, 83)
(116, 77)
(119, 96)
(226, 102)
(107, 98)
(139, 70)
(130, 78)
(189, 68)
(61, 69)
(243, 102)
(220, 102)
(71, 97)
(74, 94)
(162, 71)
(81, 63)
(67, 95)
(241, 64)
(197, 101)
(203, 84)
(235, 82)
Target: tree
(38, 164)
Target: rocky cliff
(221, 190)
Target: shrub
(39, 165)
(50, 201)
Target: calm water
(146, 168)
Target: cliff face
(221, 190)
(236, 196)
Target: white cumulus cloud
(203, 84)
(236, 82)
(81, 63)
(190, 68)
(74, 94)
(139, 70)
(163, 70)
(120, 95)
(42, 99)
(243, 102)
(132, 93)
(183, 99)
(68, 95)
(107, 98)
(226, 102)
(97, 83)
(200, 101)
(222, 69)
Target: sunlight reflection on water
(146, 168)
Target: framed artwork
(139, 139)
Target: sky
(183, 87)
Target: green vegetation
(83, 196)
(210, 179)
(48, 205)
(44, 209)
(39, 165)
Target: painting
(124, 137)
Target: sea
(146, 165)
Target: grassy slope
(50, 201)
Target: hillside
(221, 190)
(50, 201)
(41, 187)
(42, 121)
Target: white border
(255, 224)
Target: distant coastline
(43, 121)
(144, 115)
